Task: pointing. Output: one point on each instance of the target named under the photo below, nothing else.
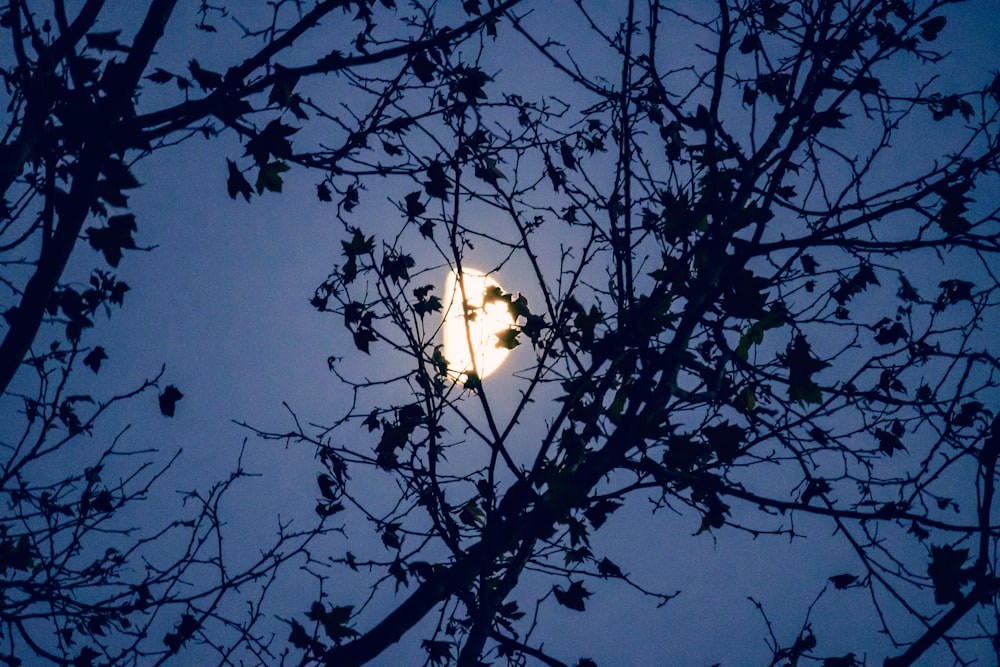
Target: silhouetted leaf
(750, 43)
(947, 574)
(363, 337)
(300, 639)
(334, 620)
(438, 652)
(168, 400)
(272, 140)
(237, 184)
(918, 530)
(725, 440)
(160, 76)
(801, 367)
(890, 334)
(967, 415)
(842, 581)
(598, 512)
(94, 358)
(608, 569)
(206, 79)
(574, 597)
(106, 41)
(507, 339)
(952, 292)
(111, 240)
(283, 88)
(422, 66)
(929, 29)
(351, 198)
(815, 488)
(437, 183)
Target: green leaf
(269, 177)
(283, 88)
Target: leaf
(930, 28)
(269, 177)
(906, 291)
(206, 79)
(953, 291)
(890, 335)
(947, 574)
(437, 183)
(358, 245)
(94, 358)
(608, 569)
(111, 240)
(413, 205)
(334, 620)
(967, 415)
(168, 400)
(507, 339)
(801, 367)
(299, 639)
(272, 140)
(598, 512)
(809, 264)
(572, 598)
(725, 440)
(397, 266)
(815, 488)
(363, 337)
(327, 486)
(106, 41)
(750, 43)
(842, 581)
(237, 184)
(351, 198)
(888, 442)
(160, 75)
(438, 652)
(422, 66)
(918, 530)
(282, 92)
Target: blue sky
(222, 300)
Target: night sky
(222, 299)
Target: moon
(478, 331)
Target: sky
(222, 299)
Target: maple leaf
(801, 367)
(574, 597)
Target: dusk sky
(222, 299)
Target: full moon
(477, 331)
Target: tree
(733, 291)
(83, 583)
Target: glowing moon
(483, 324)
